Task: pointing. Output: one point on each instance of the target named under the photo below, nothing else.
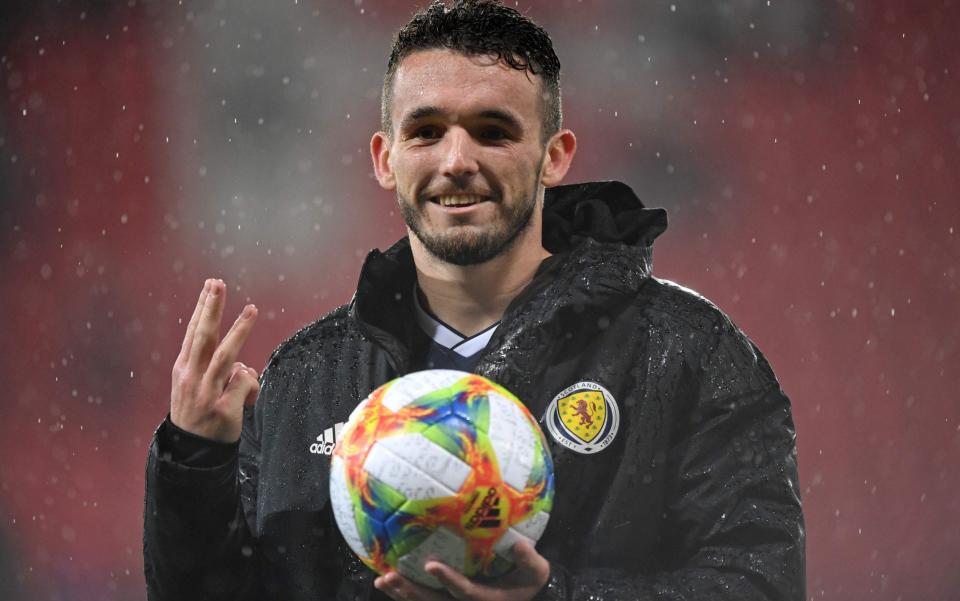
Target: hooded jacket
(692, 493)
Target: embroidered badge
(584, 418)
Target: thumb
(254, 391)
(523, 552)
(242, 386)
(530, 563)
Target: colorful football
(442, 465)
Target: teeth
(459, 200)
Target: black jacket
(695, 497)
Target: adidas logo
(487, 515)
(326, 441)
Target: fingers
(242, 387)
(209, 390)
(192, 325)
(531, 570)
(401, 589)
(525, 556)
(207, 332)
(228, 351)
(458, 585)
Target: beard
(474, 247)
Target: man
(688, 492)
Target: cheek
(408, 169)
(521, 171)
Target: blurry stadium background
(807, 151)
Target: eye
(427, 132)
(493, 133)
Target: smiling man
(469, 151)
(682, 486)
(469, 168)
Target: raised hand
(530, 573)
(210, 387)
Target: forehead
(460, 84)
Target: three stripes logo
(487, 514)
(326, 441)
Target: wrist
(210, 430)
(180, 446)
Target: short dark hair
(474, 28)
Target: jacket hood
(606, 212)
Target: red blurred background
(807, 152)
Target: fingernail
(206, 284)
(215, 288)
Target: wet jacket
(695, 496)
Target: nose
(459, 160)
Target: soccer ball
(444, 465)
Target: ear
(380, 154)
(560, 150)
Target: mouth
(458, 200)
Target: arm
(196, 541)
(734, 526)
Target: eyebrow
(502, 116)
(424, 112)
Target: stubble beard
(473, 248)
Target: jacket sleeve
(733, 526)
(197, 542)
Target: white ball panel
(356, 410)
(391, 469)
(533, 526)
(504, 546)
(442, 545)
(512, 439)
(415, 385)
(343, 507)
(428, 457)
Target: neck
(471, 298)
